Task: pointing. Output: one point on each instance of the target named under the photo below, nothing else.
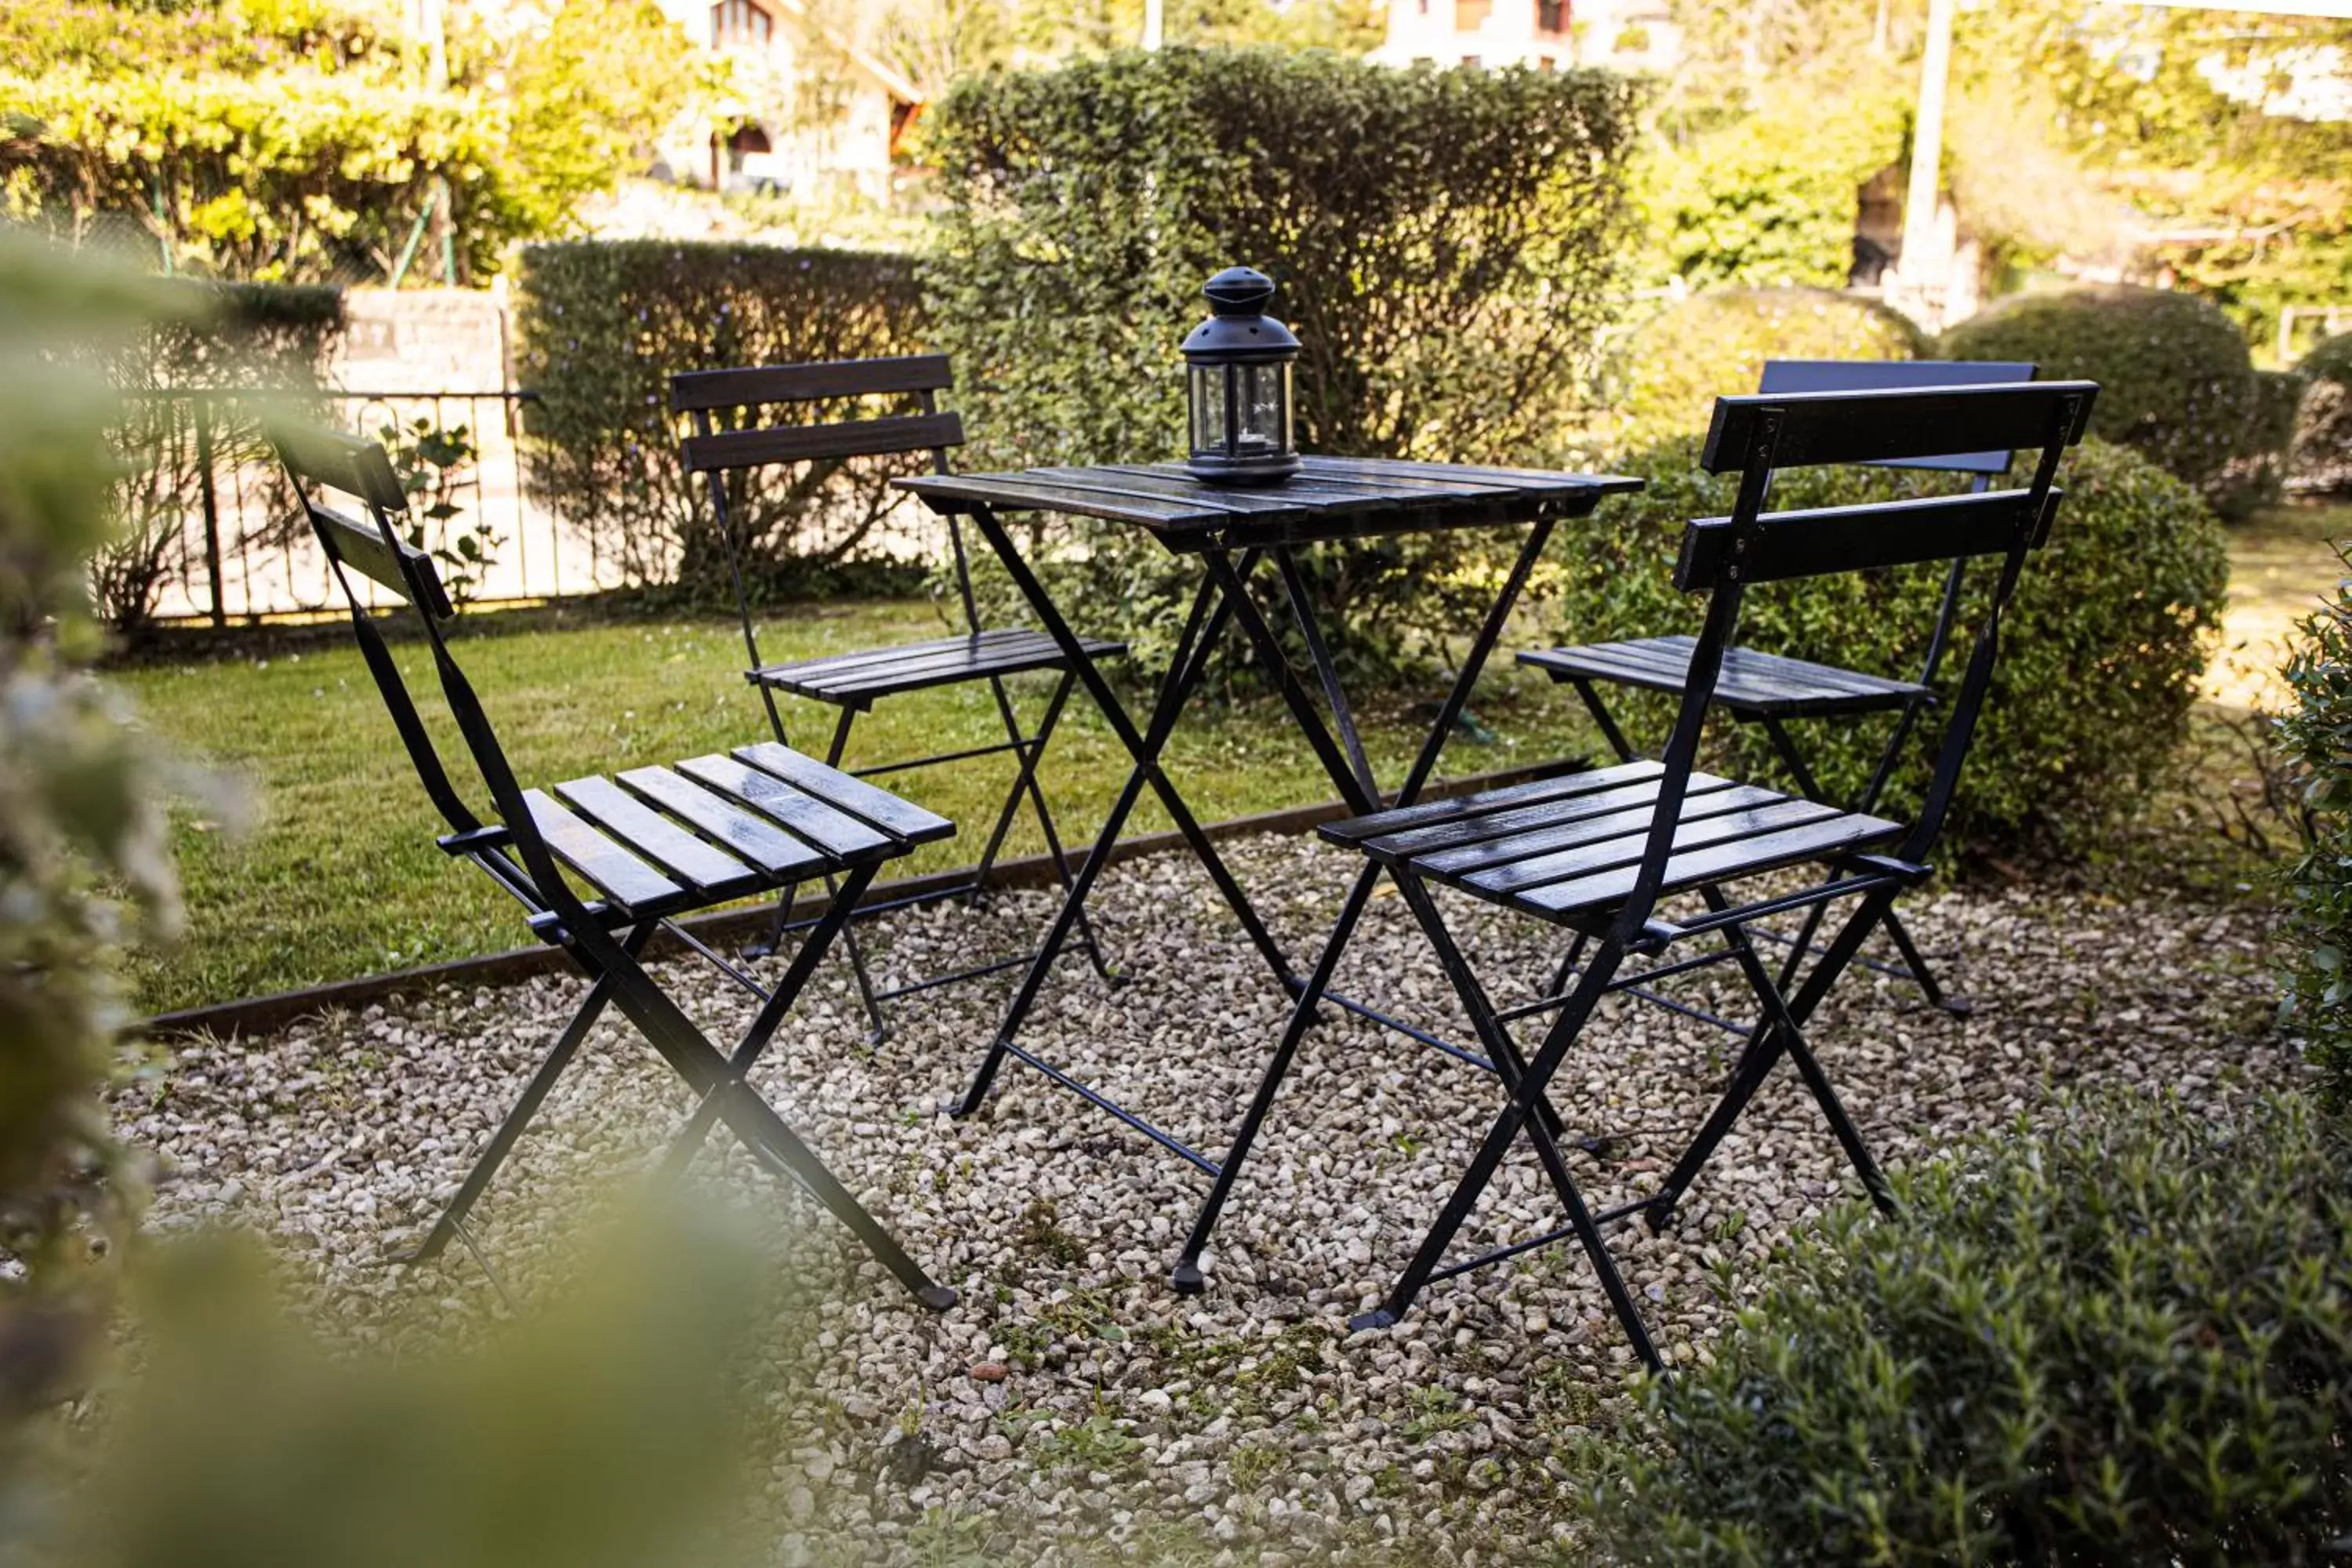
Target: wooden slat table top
(1331, 497)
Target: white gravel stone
(1124, 1409)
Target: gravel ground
(1073, 1401)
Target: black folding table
(1235, 533)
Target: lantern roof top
(1239, 328)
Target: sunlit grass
(338, 876)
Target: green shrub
(2315, 733)
(2256, 477)
(1768, 198)
(2118, 1332)
(268, 337)
(84, 862)
(2101, 650)
(2174, 382)
(1446, 243)
(2323, 433)
(292, 140)
(1715, 344)
(601, 326)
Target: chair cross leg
(726, 1097)
(1510, 1064)
(1781, 1031)
(525, 1108)
(834, 921)
(1914, 961)
(1517, 1116)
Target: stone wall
(423, 340)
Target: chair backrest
(724, 409)
(1880, 375)
(700, 394)
(318, 460)
(1758, 434)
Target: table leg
(1147, 755)
(1202, 628)
(1352, 776)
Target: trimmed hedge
(2116, 1332)
(601, 325)
(2323, 433)
(1445, 243)
(2175, 380)
(1714, 344)
(2101, 650)
(230, 335)
(2313, 735)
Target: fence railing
(209, 531)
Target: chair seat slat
(919, 669)
(828, 828)
(1564, 786)
(1462, 832)
(1702, 865)
(903, 819)
(1749, 681)
(1589, 860)
(710, 869)
(615, 872)
(1633, 821)
(755, 838)
(858, 658)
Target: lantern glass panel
(1208, 408)
(1265, 422)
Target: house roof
(898, 85)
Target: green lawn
(336, 876)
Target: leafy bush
(1715, 345)
(280, 177)
(2116, 1333)
(80, 805)
(292, 140)
(264, 337)
(2323, 435)
(603, 325)
(2174, 382)
(2101, 650)
(1768, 199)
(2316, 735)
(1446, 243)
(610, 1429)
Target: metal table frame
(1235, 533)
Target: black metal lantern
(1238, 381)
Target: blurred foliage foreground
(161, 1405)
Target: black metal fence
(206, 532)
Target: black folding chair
(854, 682)
(1598, 853)
(650, 844)
(1773, 689)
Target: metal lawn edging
(263, 1015)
